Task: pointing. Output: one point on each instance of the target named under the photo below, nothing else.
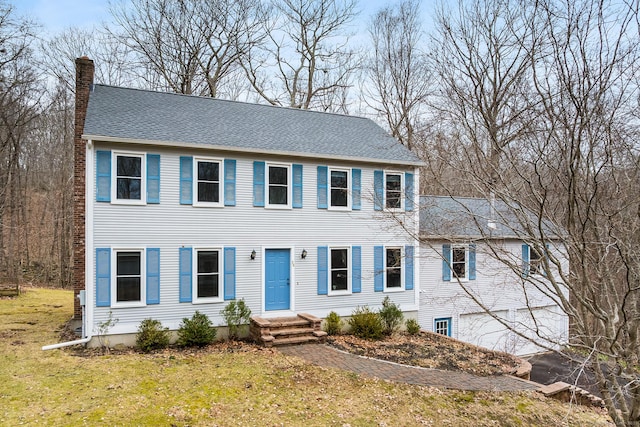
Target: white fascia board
(251, 150)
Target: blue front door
(277, 270)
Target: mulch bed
(429, 350)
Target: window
(393, 187)
(339, 182)
(129, 169)
(339, 260)
(459, 261)
(129, 286)
(207, 182)
(278, 186)
(207, 277)
(393, 268)
(442, 326)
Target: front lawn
(222, 385)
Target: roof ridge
(256, 104)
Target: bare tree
(188, 46)
(398, 69)
(307, 62)
(544, 100)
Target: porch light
(253, 254)
(303, 255)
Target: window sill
(339, 293)
(340, 208)
(207, 301)
(392, 290)
(278, 207)
(135, 304)
(128, 202)
(207, 205)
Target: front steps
(570, 393)
(301, 329)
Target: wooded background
(533, 103)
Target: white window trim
(466, 262)
(402, 195)
(449, 321)
(114, 278)
(114, 178)
(402, 267)
(194, 276)
(349, 290)
(349, 189)
(289, 185)
(220, 202)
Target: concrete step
(291, 332)
(295, 340)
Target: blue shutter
(408, 191)
(356, 191)
(525, 260)
(408, 267)
(153, 178)
(322, 187)
(258, 184)
(153, 276)
(103, 176)
(378, 268)
(446, 262)
(472, 261)
(378, 190)
(186, 180)
(103, 277)
(323, 270)
(297, 186)
(356, 269)
(229, 273)
(185, 274)
(229, 182)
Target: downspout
(86, 294)
(86, 339)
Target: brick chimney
(84, 83)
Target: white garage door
(483, 330)
(540, 323)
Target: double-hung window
(340, 271)
(459, 263)
(129, 170)
(207, 278)
(129, 286)
(393, 270)
(207, 182)
(393, 190)
(535, 261)
(339, 188)
(278, 186)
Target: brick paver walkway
(324, 355)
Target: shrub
(391, 316)
(151, 335)
(236, 314)
(366, 324)
(333, 324)
(412, 326)
(197, 331)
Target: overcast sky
(56, 15)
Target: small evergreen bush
(412, 326)
(151, 335)
(366, 324)
(391, 316)
(236, 314)
(333, 324)
(197, 331)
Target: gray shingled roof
(133, 114)
(465, 217)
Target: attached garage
(484, 330)
(539, 323)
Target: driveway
(548, 368)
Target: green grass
(221, 387)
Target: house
(184, 203)
(482, 279)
